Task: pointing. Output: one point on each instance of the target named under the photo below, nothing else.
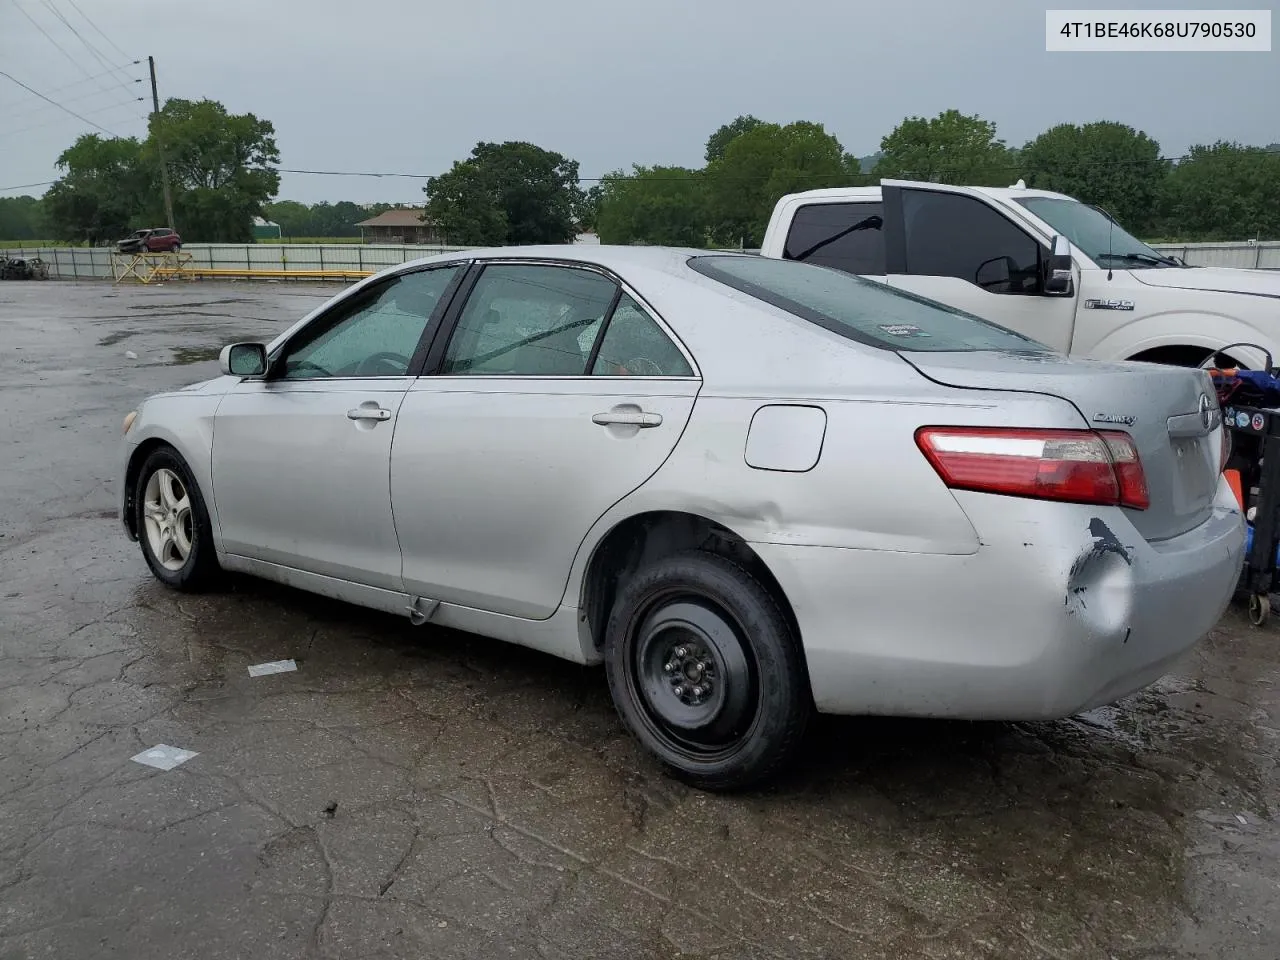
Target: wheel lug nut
(679, 690)
(669, 667)
(681, 652)
(697, 691)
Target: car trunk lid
(1171, 413)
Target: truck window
(846, 236)
(951, 235)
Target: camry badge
(1114, 418)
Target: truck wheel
(706, 672)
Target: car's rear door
(552, 394)
(301, 459)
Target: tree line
(1218, 191)
(222, 173)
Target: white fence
(85, 263)
(1258, 256)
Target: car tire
(173, 523)
(706, 671)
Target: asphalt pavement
(416, 792)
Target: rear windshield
(859, 309)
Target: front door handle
(368, 413)
(628, 418)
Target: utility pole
(164, 167)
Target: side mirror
(243, 360)
(1057, 280)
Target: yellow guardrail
(250, 273)
(150, 267)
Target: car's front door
(556, 394)
(954, 247)
(301, 458)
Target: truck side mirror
(1057, 280)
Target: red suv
(154, 240)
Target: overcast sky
(409, 86)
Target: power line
(80, 83)
(87, 45)
(23, 186)
(62, 50)
(57, 104)
(39, 108)
(631, 176)
(60, 119)
(75, 6)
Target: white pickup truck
(1048, 266)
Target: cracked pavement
(417, 792)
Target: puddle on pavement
(111, 339)
(185, 355)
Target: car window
(529, 320)
(375, 334)
(950, 235)
(867, 311)
(847, 236)
(635, 346)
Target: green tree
(506, 193)
(219, 167)
(104, 187)
(654, 205)
(336, 219)
(21, 218)
(1223, 191)
(588, 213)
(719, 141)
(949, 148)
(1108, 164)
(761, 165)
(294, 218)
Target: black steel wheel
(705, 671)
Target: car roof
(613, 257)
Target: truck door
(953, 245)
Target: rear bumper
(1064, 607)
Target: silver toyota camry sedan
(752, 488)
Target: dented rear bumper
(1062, 608)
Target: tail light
(1077, 466)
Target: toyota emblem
(1206, 411)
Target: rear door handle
(628, 418)
(368, 413)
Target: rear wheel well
(136, 460)
(1181, 356)
(641, 539)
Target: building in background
(265, 229)
(400, 225)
